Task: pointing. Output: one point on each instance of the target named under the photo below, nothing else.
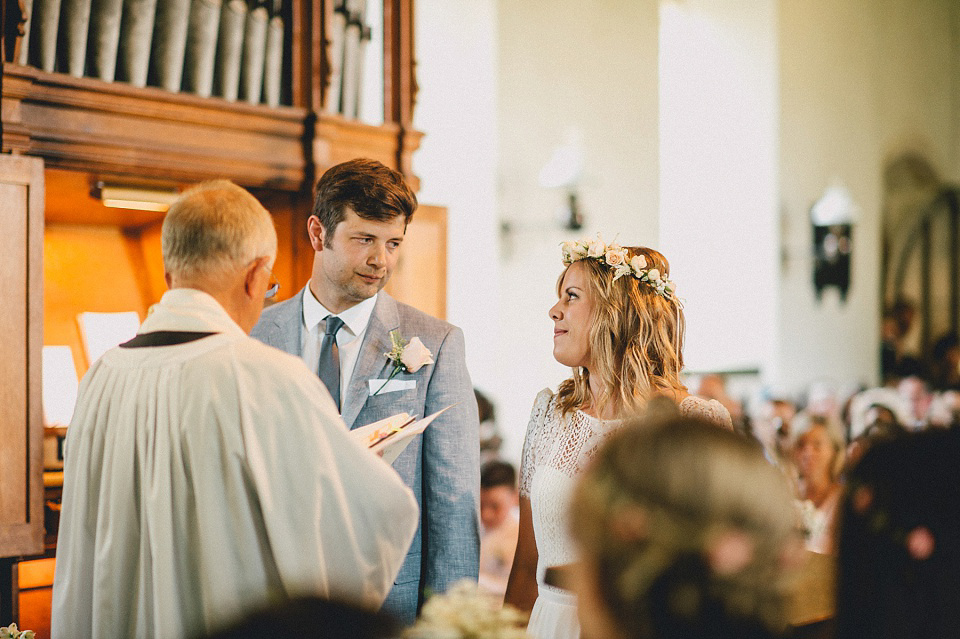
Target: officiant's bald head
(219, 239)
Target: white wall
(564, 65)
(861, 81)
(718, 175)
(456, 108)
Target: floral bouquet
(466, 612)
(12, 632)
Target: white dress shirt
(349, 338)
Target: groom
(340, 324)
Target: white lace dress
(555, 452)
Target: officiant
(207, 473)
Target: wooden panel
(87, 268)
(294, 253)
(70, 199)
(36, 573)
(89, 125)
(420, 278)
(13, 321)
(152, 282)
(338, 140)
(35, 607)
(21, 232)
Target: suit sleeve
(451, 472)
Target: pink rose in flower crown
(415, 356)
(615, 256)
(638, 263)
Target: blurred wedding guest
(899, 543)
(771, 425)
(895, 360)
(916, 393)
(945, 409)
(945, 363)
(875, 414)
(490, 438)
(619, 325)
(818, 452)
(714, 386)
(685, 532)
(205, 472)
(310, 618)
(501, 525)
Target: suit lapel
(287, 316)
(372, 359)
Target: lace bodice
(556, 450)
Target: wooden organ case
(68, 134)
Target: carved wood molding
(88, 125)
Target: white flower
(12, 632)
(415, 356)
(620, 270)
(619, 260)
(615, 256)
(465, 612)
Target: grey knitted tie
(329, 367)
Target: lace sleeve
(531, 442)
(710, 410)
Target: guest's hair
(214, 227)
(310, 618)
(648, 513)
(636, 339)
(899, 543)
(374, 192)
(497, 472)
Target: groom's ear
(316, 232)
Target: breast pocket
(384, 405)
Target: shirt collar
(354, 318)
(187, 309)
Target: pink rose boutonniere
(407, 356)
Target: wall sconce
(137, 198)
(564, 170)
(833, 216)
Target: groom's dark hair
(373, 190)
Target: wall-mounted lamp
(136, 198)
(833, 216)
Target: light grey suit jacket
(442, 465)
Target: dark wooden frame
(107, 128)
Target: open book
(390, 436)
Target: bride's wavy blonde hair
(636, 340)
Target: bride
(619, 325)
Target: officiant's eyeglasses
(274, 285)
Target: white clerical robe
(211, 476)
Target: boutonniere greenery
(408, 356)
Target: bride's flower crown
(618, 258)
